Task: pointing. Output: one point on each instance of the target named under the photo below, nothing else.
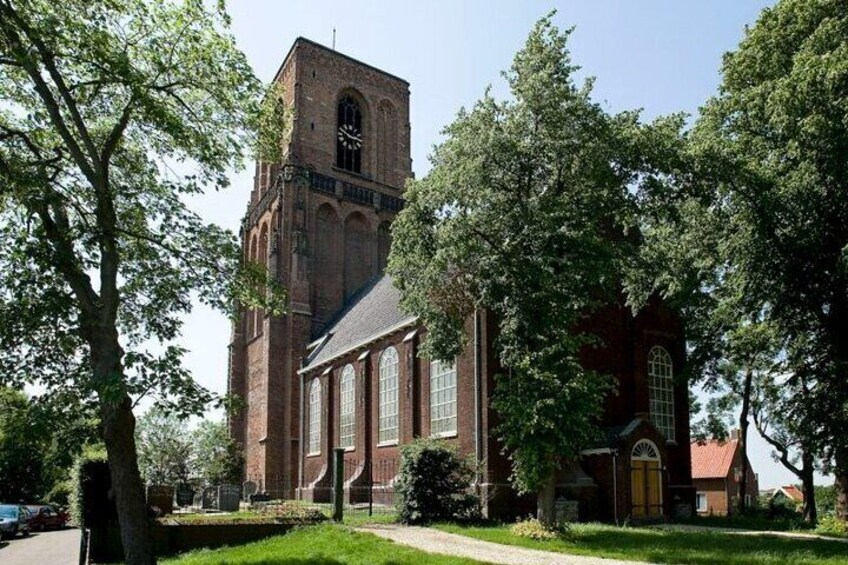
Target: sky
(662, 56)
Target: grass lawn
(670, 546)
(320, 545)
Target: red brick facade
(323, 232)
(716, 472)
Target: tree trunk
(808, 488)
(545, 502)
(743, 439)
(119, 435)
(840, 483)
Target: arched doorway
(646, 480)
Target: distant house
(790, 495)
(717, 468)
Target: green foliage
(533, 529)
(90, 503)
(24, 437)
(216, 457)
(434, 483)
(750, 230)
(832, 526)
(169, 452)
(528, 213)
(113, 115)
(164, 448)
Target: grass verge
(670, 546)
(320, 545)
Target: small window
(315, 417)
(347, 407)
(747, 501)
(661, 391)
(442, 398)
(388, 395)
(701, 502)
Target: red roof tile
(792, 492)
(712, 460)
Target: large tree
(526, 213)
(760, 209)
(111, 115)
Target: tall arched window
(315, 417)
(347, 407)
(388, 394)
(442, 398)
(661, 391)
(349, 135)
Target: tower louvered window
(349, 135)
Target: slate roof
(713, 459)
(373, 312)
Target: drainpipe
(300, 441)
(478, 447)
(615, 485)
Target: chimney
(734, 434)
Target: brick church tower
(319, 222)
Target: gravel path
(435, 541)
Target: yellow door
(646, 488)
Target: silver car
(14, 520)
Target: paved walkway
(43, 548)
(435, 541)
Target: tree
(526, 213)
(760, 207)
(164, 448)
(111, 114)
(217, 458)
(23, 440)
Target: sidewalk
(435, 541)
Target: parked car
(14, 520)
(45, 517)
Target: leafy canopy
(111, 115)
(528, 214)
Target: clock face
(350, 137)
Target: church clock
(350, 137)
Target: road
(42, 548)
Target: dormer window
(349, 136)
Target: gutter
(478, 444)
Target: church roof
(712, 460)
(372, 313)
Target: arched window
(661, 391)
(315, 417)
(347, 407)
(388, 393)
(442, 398)
(349, 135)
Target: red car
(46, 518)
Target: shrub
(60, 494)
(832, 526)
(91, 505)
(288, 511)
(534, 529)
(434, 483)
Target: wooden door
(646, 489)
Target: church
(341, 368)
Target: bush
(60, 494)
(91, 505)
(434, 483)
(832, 526)
(534, 529)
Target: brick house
(717, 468)
(341, 368)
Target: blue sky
(662, 56)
